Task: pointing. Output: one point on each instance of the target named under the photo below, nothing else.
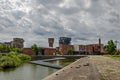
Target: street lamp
(116, 43)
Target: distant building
(91, 48)
(50, 41)
(64, 44)
(63, 48)
(17, 43)
(65, 40)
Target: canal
(29, 71)
(26, 72)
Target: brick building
(49, 51)
(50, 41)
(91, 48)
(28, 51)
(63, 48)
(44, 51)
(65, 44)
(16, 43)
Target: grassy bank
(113, 56)
(13, 59)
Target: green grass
(113, 56)
(116, 56)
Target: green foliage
(57, 52)
(6, 61)
(116, 56)
(69, 51)
(16, 50)
(7, 48)
(24, 57)
(113, 56)
(12, 53)
(0, 55)
(35, 48)
(117, 53)
(1, 47)
(13, 59)
(110, 47)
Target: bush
(69, 51)
(6, 62)
(17, 60)
(0, 55)
(12, 59)
(117, 53)
(10, 54)
(24, 57)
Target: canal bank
(89, 68)
(29, 71)
(82, 69)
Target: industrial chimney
(50, 41)
(100, 44)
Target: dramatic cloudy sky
(82, 20)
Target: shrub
(117, 53)
(10, 54)
(12, 59)
(6, 61)
(24, 57)
(17, 60)
(0, 55)
(69, 51)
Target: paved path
(109, 68)
(89, 68)
(82, 69)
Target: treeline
(6, 49)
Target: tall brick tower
(50, 41)
(99, 44)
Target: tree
(69, 51)
(7, 48)
(18, 50)
(1, 47)
(110, 47)
(35, 48)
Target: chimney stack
(100, 44)
(50, 41)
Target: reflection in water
(31, 71)
(26, 72)
(62, 62)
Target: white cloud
(36, 20)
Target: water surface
(32, 71)
(27, 72)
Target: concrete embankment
(82, 69)
(89, 68)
